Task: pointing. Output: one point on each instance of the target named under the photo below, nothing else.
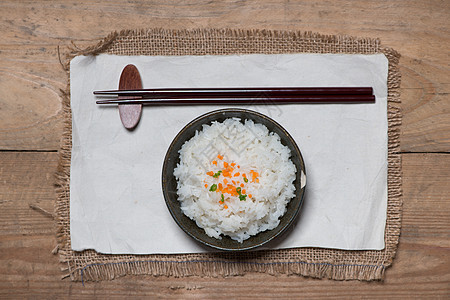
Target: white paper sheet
(116, 201)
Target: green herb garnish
(222, 198)
(213, 188)
(217, 174)
(246, 180)
(242, 197)
(238, 190)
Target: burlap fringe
(333, 264)
(109, 271)
(351, 44)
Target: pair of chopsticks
(270, 95)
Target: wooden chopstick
(245, 100)
(286, 95)
(224, 92)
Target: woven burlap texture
(313, 262)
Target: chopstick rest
(130, 114)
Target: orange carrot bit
(210, 173)
(237, 174)
(206, 185)
(234, 182)
(257, 180)
(225, 206)
(243, 191)
(226, 174)
(242, 185)
(220, 157)
(239, 166)
(233, 164)
(220, 186)
(249, 195)
(254, 176)
(225, 164)
(214, 162)
(243, 175)
(225, 181)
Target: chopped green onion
(245, 179)
(242, 197)
(238, 190)
(222, 198)
(217, 174)
(213, 188)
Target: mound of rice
(235, 179)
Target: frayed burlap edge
(313, 262)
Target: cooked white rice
(257, 152)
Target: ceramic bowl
(169, 182)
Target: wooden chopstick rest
(130, 114)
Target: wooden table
(31, 126)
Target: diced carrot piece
(243, 192)
(214, 162)
(220, 157)
(242, 185)
(210, 173)
(206, 185)
(233, 164)
(225, 206)
(249, 195)
(254, 176)
(237, 174)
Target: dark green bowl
(169, 183)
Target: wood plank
(31, 77)
(30, 104)
(28, 269)
(27, 179)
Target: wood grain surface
(31, 78)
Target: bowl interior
(169, 183)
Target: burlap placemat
(314, 262)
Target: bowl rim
(302, 185)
